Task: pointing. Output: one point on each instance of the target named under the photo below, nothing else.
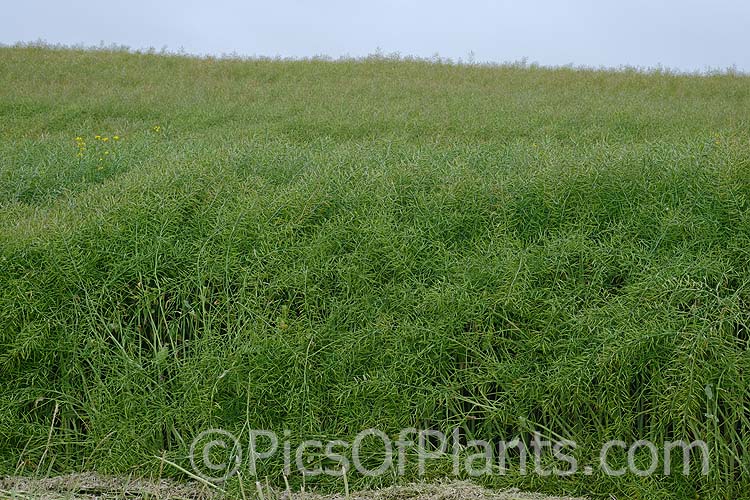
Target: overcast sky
(680, 34)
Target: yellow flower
(106, 152)
(97, 137)
(105, 139)
(79, 139)
(117, 138)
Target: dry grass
(97, 487)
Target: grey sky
(681, 34)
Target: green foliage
(330, 246)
